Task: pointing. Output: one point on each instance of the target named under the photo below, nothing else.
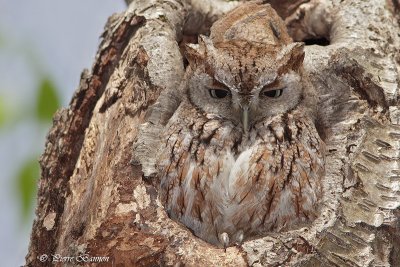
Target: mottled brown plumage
(241, 157)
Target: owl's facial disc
(242, 83)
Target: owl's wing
(147, 145)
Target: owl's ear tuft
(205, 43)
(193, 53)
(296, 56)
(197, 52)
(292, 56)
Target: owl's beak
(245, 118)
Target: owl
(240, 156)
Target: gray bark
(92, 200)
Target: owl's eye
(218, 93)
(273, 93)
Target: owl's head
(249, 69)
(244, 82)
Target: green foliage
(27, 185)
(3, 112)
(47, 100)
(9, 114)
(38, 110)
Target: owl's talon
(224, 239)
(240, 238)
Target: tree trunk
(93, 200)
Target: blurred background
(44, 46)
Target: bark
(93, 199)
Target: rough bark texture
(93, 200)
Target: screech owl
(241, 156)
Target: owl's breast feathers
(214, 182)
